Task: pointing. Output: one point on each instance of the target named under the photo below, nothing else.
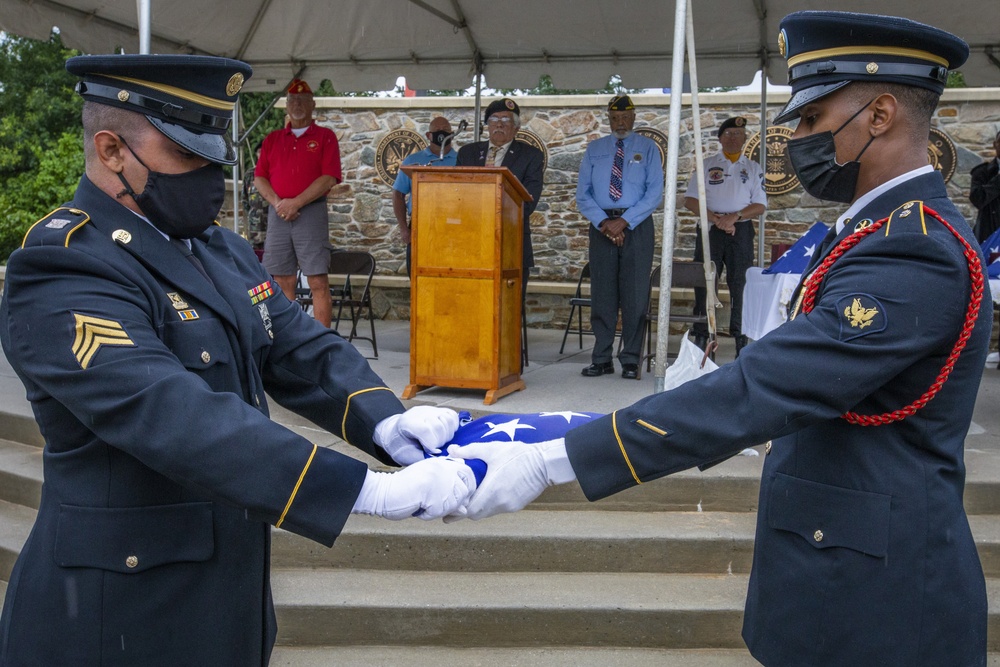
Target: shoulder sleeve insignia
(909, 213)
(860, 315)
(94, 332)
(56, 228)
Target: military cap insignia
(782, 44)
(93, 333)
(861, 314)
(509, 104)
(739, 121)
(260, 292)
(235, 84)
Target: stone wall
(361, 215)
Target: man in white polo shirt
(734, 190)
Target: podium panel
(465, 294)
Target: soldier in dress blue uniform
(146, 336)
(863, 552)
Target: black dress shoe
(596, 370)
(630, 371)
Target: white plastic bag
(687, 366)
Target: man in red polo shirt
(298, 165)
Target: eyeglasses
(500, 121)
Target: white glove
(517, 473)
(430, 489)
(406, 436)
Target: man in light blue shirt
(620, 185)
(437, 153)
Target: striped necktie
(616, 171)
(491, 157)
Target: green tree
(41, 138)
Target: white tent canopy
(367, 44)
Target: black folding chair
(685, 275)
(350, 290)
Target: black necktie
(186, 251)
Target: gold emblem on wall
(779, 177)
(529, 137)
(942, 154)
(659, 138)
(391, 151)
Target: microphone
(448, 137)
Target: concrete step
(431, 656)
(330, 607)
(20, 473)
(15, 524)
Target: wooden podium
(465, 282)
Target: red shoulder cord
(971, 314)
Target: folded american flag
(531, 427)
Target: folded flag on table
(796, 258)
(531, 427)
(991, 248)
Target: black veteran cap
(735, 121)
(828, 50)
(190, 99)
(504, 104)
(621, 103)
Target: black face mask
(180, 205)
(814, 160)
(438, 138)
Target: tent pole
(670, 195)
(479, 102)
(711, 298)
(142, 6)
(236, 168)
(762, 154)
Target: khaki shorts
(302, 244)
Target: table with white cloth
(765, 300)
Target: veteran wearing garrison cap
(863, 553)
(298, 165)
(146, 336)
(619, 187)
(525, 162)
(734, 196)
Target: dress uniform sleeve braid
(347, 408)
(621, 446)
(295, 490)
(971, 315)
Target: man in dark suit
(146, 337)
(863, 553)
(984, 193)
(503, 119)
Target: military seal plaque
(942, 154)
(391, 151)
(529, 137)
(659, 138)
(779, 177)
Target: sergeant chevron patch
(92, 333)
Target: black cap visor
(804, 97)
(216, 148)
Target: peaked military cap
(496, 106)
(190, 99)
(735, 121)
(828, 50)
(621, 103)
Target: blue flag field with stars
(796, 258)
